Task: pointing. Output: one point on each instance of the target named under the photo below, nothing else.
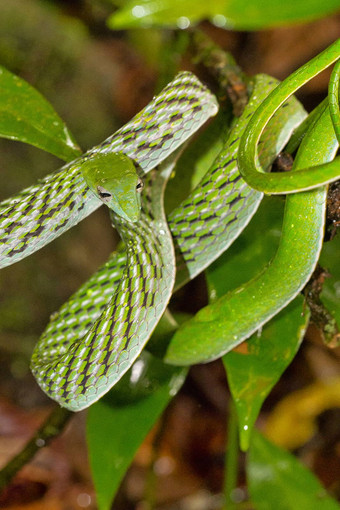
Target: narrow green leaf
(278, 480)
(235, 14)
(170, 13)
(25, 115)
(259, 14)
(252, 375)
(118, 423)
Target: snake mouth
(129, 210)
(132, 219)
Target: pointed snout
(129, 206)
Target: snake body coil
(79, 373)
(202, 227)
(95, 337)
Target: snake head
(114, 180)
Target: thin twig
(52, 426)
(221, 64)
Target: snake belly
(203, 226)
(40, 213)
(77, 374)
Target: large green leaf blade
(169, 13)
(231, 14)
(278, 480)
(118, 423)
(260, 14)
(26, 116)
(252, 375)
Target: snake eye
(140, 186)
(103, 193)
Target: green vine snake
(302, 231)
(95, 337)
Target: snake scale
(98, 333)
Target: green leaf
(25, 115)
(278, 480)
(259, 14)
(169, 13)
(252, 374)
(235, 14)
(118, 423)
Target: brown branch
(320, 316)
(222, 66)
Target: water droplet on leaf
(183, 22)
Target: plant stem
(231, 459)
(52, 426)
(221, 64)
